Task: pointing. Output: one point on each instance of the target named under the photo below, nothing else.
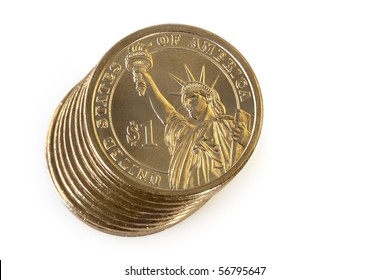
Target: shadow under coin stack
(168, 116)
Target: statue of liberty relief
(205, 150)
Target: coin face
(174, 108)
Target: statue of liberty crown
(192, 84)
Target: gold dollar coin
(168, 116)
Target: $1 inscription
(136, 132)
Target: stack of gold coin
(168, 116)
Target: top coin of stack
(168, 116)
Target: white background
(312, 202)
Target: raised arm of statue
(139, 62)
(160, 105)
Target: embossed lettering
(155, 180)
(103, 89)
(244, 95)
(162, 40)
(241, 83)
(230, 66)
(108, 77)
(194, 43)
(108, 143)
(148, 135)
(142, 175)
(102, 99)
(115, 67)
(207, 47)
(132, 135)
(220, 56)
(102, 123)
(116, 153)
(124, 164)
(133, 169)
(100, 111)
(175, 39)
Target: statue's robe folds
(200, 153)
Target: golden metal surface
(168, 116)
(124, 217)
